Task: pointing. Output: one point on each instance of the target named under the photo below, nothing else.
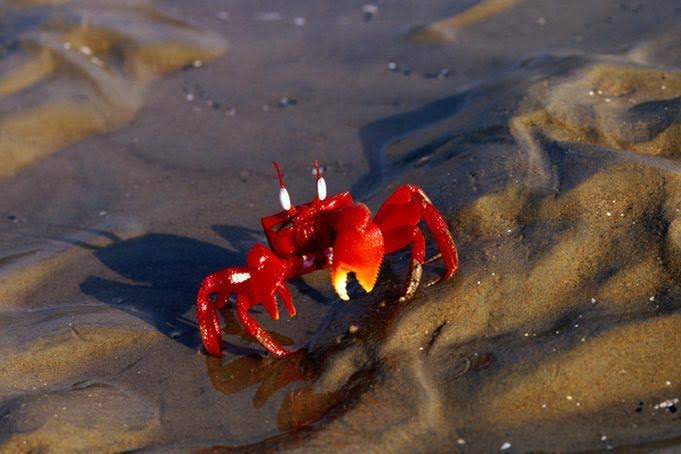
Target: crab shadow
(159, 274)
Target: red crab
(328, 232)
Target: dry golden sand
(446, 30)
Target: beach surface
(136, 148)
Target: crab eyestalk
(284, 197)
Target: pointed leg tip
(449, 274)
(215, 351)
(414, 280)
(281, 352)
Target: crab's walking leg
(206, 315)
(285, 294)
(255, 330)
(443, 237)
(418, 255)
(401, 237)
(398, 219)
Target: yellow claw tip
(367, 283)
(340, 281)
(367, 278)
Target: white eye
(284, 199)
(321, 188)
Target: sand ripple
(89, 416)
(80, 68)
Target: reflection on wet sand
(233, 327)
(300, 407)
(75, 69)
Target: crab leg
(285, 294)
(255, 330)
(398, 218)
(223, 284)
(401, 237)
(443, 237)
(418, 255)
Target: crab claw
(365, 271)
(358, 249)
(339, 280)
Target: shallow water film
(136, 148)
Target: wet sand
(136, 143)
